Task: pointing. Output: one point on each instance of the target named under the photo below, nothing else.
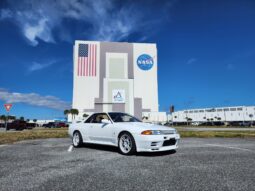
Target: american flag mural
(87, 60)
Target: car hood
(146, 126)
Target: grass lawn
(193, 126)
(223, 134)
(14, 136)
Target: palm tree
(34, 120)
(251, 116)
(212, 121)
(74, 112)
(22, 119)
(66, 112)
(11, 117)
(3, 117)
(85, 115)
(188, 120)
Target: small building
(217, 114)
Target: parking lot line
(237, 148)
(70, 149)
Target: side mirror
(105, 121)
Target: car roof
(106, 112)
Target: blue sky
(206, 49)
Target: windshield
(123, 117)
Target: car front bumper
(156, 143)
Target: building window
(219, 109)
(232, 109)
(239, 109)
(201, 111)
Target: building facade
(219, 114)
(113, 76)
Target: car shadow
(115, 149)
(100, 147)
(155, 154)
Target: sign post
(8, 107)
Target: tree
(3, 117)
(22, 119)
(6, 118)
(34, 120)
(251, 116)
(212, 121)
(85, 115)
(188, 120)
(74, 112)
(27, 120)
(11, 117)
(66, 112)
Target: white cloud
(191, 61)
(98, 20)
(39, 30)
(33, 99)
(5, 14)
(38, 66)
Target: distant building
(113, 76)
(217, 114)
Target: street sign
(8, 106)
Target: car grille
(169, 142)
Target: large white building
(113, 76)
(219, 114)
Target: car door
(101, 132)
(84, 128)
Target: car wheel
(127, 144)
(77, 139)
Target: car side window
(98, 118)
(90, 119)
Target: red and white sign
(8, 106)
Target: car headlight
(151, 132)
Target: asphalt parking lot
(199, 164)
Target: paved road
(199, 164)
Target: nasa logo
(145, 62)
(118, 96)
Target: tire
(126, 144)
(77, 139)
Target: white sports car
(123, 131)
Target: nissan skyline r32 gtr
(124, 131)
